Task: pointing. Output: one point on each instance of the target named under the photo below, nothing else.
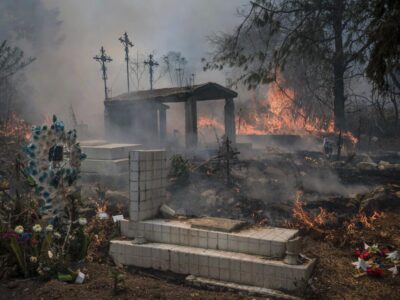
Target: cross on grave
(102, 59)
(151, 63)
(127, 43)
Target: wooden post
(162, 115)
(229, 113)
(191, 123)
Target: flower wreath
(54, 160)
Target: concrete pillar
(162, 119)
(191, 123)
(147, 183)
(229, 113)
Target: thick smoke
(65, 73)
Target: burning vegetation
(277, 160)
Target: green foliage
(118, 276)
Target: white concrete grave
(250, 256)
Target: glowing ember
(15, 127)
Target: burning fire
(205, 122)
(367, 222)
(307, 220)
(276, 114)
(101, 207)
(15, 127)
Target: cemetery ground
(334, 226)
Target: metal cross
(102, 59)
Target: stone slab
(216, 264)
(92, 142)
(109, 150)
(264, 241)
(216, 224)
(105, 166)
(252, 290)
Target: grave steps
(269, 242)
(222, 265)
(252, 256)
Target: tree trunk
(338, 67)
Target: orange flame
(307, 220)
(277, 113)
(367, 222)
(15, 127)
(101, 207)
(206, 122)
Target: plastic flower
(49, 228)
(19, 229)
(377, 272)
(361, 264)
(82, 221)
(393, 255)
(33, 259)
(37, 228)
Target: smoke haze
(66, 74)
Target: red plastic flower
(365, 255)
(362, 254)
(376, 272)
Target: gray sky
(68, 74)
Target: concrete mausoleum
(141, 116)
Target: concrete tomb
(248, 256)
